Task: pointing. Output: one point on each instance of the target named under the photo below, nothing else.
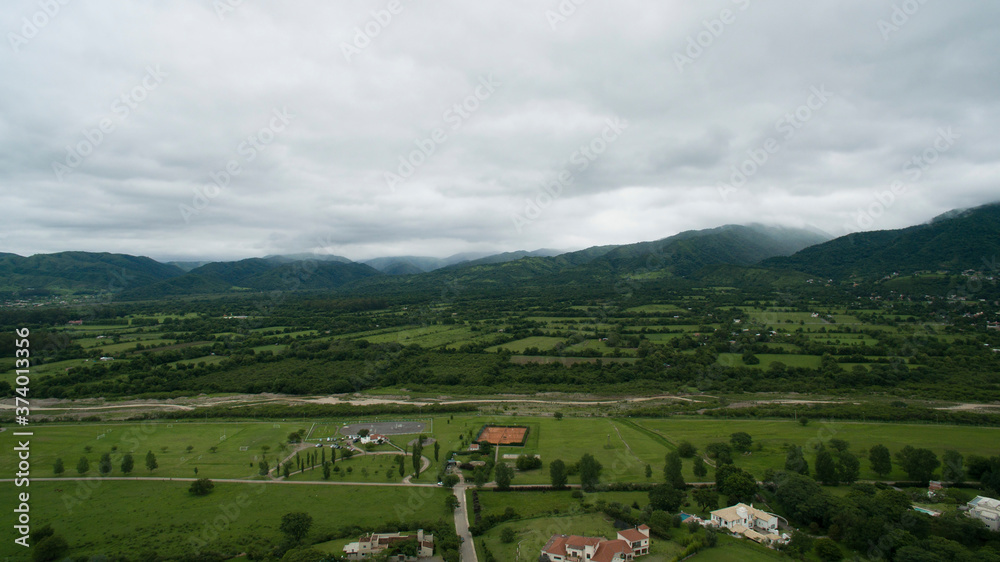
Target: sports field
(503, 435)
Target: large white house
(375, 543)
(986, 510)
(572, 548)
(750, 522)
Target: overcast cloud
(321, 119)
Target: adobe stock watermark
(913, 170)
(247, 151)
(225, 7)
(564, 10)
(580, 160)
(697, 43)
(788, 126)
(120, 109)
(455, 116)
(366, 33)
(900, 16)
(32, 25)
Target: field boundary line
(629, 449)
(656, 436)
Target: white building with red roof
(573, 548)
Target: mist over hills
(954, 241)
(958, 240)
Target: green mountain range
(731, 254)
(955, 241)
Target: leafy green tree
(672, 470)
(557, 472)
(504, 474)
(52, 547)
(151, 461)
(800, 544)
(649, 472)
(699, 467)
(707, 498)
(128, 463)
(263, 468)
(665, 497)
(451, 502)
(826, 468)
(741, 441)
(880, 460)
(507, 535)
(590, 472)
(42, 532)
(437, 449)
(481, 475)
(326, 471)
(104, 465)
(418, 450)
(952, 469)
(83, 465)
(795, 461)
(401, 461)
(59, 467)
(827, 550)
(735, 483)
(686, 450)
(201, 487)
(838, 445)
(919, 464)
(848, 466)
(296, 525)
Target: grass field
(134, 516)
(69, 442)
(730, 549)
(789, 359)
(772, 435)
(541, 342)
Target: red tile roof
(608, 549)
(574, 541)
(632, 535)
(556, 545)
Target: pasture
(156, 516)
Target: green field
(69, 442)
(789, 359)
(126, 518)
(543, 343)
(773, 435)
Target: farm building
(572, 548)
(370, 545)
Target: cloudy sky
(223, 129)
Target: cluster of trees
(876, 521)
(105, 466)
(960, 367)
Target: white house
(750, 522)
(375, 543)
(572, 548)
(986, 510)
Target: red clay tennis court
(498, 435)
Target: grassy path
(655, 436)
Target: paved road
(468, 550)
(229, 480)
